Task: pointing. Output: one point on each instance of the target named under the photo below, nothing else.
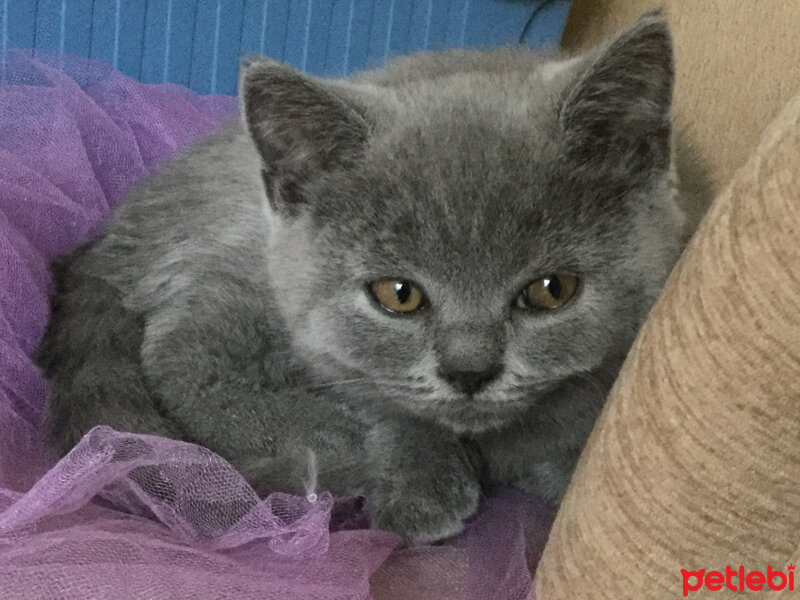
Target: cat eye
(548, 292)
(398, 295)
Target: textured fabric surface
(74, 137)
(695, 461)
(198, 43)
(133, 516)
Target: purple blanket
(74, 136)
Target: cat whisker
(372, 382)
(331, 384)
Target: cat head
(460, 233)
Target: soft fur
(226, 301)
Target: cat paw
(424, 514)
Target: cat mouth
(477, 413)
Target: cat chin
(474, 422)
(465, 415)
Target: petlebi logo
(738, 579)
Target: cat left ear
(300, 127)
(620, 105)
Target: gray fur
(206, 312)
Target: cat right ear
(300, 126)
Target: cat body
(231, 300)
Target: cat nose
(470, 382)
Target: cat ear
(300, 126)
(619, 107)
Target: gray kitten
(428, 275)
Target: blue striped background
(197, 43)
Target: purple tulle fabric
(136, 516)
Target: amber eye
(398, 295)
(548, 292)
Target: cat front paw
(426, 510)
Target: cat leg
(217, 375)
(423, 484)
(90, 355)
(537, 453)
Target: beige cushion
(695, 461)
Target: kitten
(427, 274)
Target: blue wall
(197, 43)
